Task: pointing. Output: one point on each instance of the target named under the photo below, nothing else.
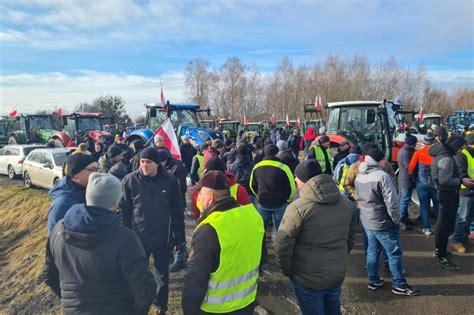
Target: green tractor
(34, 129)
(253, 131)
(230, 129)
(6, 125)
(313, 121)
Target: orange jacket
(421, 156)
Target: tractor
(230, 129)
(368, 121)
(184, 119)
(315, 122)
(84, 127)
(34, 129)
(427, 120)
(207, 124)
(6, 125)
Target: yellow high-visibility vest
(281, 166)
(318, 152)
(233, 285)
(470, 165)
(200, 159)
(343, 178)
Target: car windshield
(350, 122)
(59, 158)
(178, 118)
(88, 123)
(40, 122)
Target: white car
(44, 167)
(13, 156)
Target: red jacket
(242, 195)
(308, 137)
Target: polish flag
(171, 141)
(273, 119)
(13, 112)
(287, 121)
(245, 121)
(124, 135)
(421, 115)
(162, 97)
(60, 112)
(298, 123)
(316, 103)
(319, 106)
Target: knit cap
(103, 191)
(282, 145)
(411, 140)
(150, 154)
(270, 150)
(308, 169)
(113, 151)
(77, 162)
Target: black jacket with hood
(101, 267)
(444, 171)
(242, 168)
(152, 207)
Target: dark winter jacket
(316, 234)
(194, 174)
(461, 162)
(444, 171)
(340, 156)
(241, 168)
(294, 144)
(203, 260)
(152, 207)
(64, 195)
(101, 265)
(177, 169)
(187, 153)
(377, 197)
(104, 164)
(287, 157)
(259, 155)
(271, 185)
(405, 180)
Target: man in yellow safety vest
(320, 152)
(225, 252)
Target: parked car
(13, 156)
(44, 167)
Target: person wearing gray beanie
(103, 191)
(282, 145)
(93, 235)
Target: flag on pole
(319, 104)
(316, 103)
(421, 115)
(171, 141)
(273, 119)
(245, 120)
(287, 121)
(162, 98)
(13, 112)
(298, 123)
(60, 112)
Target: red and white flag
(162, 98)
(298, 123)
(319, 104)
(60, 112)
(421, 115)
(245, 120)
(287, 121)
(273, 119)
(13, 112)
(124, 135)
(171, 141)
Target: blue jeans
(464, 218)
(405, 200)
(269, 213)
(320, 302)
(426, 193)
(365, 242)
(390, 241)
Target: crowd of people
(119, 205)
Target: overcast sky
(63, 52)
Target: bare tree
(198, 81)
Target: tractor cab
(84, 127)
(184, 120)
(33, 129)
(428, 120)
(230, 128)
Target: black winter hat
(150, 154)
(270, 150)
(163, 154)
(308, 169)
(411, 140)
(77, 162)
(242, 150)
(372, 150)
(324, 139)
(355, 150)
(119, 170)
(215, 164)
(441, 132)
(113, 151)
(455, 143)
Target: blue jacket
(64, 195)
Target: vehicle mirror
(64, 121)
(48, 165)
(208, 111)
(152, 112)
(370, 116)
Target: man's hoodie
(102, 267)
(306, 140)
(316, 234)
(64, 195)
(444, 171)
(377, 197)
